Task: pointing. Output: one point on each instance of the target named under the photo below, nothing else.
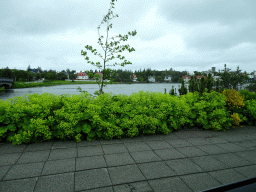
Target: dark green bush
(247, 95)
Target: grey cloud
(195, 12)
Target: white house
(167, 78)
(134, 78)
(252, 77)
(151, 79)
(82, 76)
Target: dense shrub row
(47, 116)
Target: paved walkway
(185, 160)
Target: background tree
(38, 76)
(68, 71)
(175, 79)
(7, 73)
(196, 73)
(159, 79)
(28, 69)
(229, 80)
(110, 50)
(140, 79)
(238, 79)
(50, 76)
(62, 76)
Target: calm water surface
(116, 89)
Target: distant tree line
(121, 75)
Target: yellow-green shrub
(236, 119)
(233, 98)
(234, 103)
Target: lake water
(116, 89)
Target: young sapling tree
(106, 72)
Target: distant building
(167, 78)
(186, 78)
(34, 70)
(82, 76)
(151, 79)
(134, 78)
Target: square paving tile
(37, 156)
(63, 153)
(137, 186)
(234, 138)
(91, 150)
(137, 146)
(93, 162)
(215, 140)
(125, 174)
(155, 170)
(179, 143)
(247, 155)
(212, 149)
(167, 154)
(250, 145)
(59, 166)
(158, 144)
(144, 156)
(46, 145)
(9, 159)
(198, 141)
(91, 179)
(18, 185)
(231, 147)
(232, 160)
(208, 163)
(191, 151)
(9, 148)
(200, 181)
(227, 176)
(24, 171)
(173, 183)
(183, 166)
(119, 159)
(248, 171)
(114, 148)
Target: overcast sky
(191, 35)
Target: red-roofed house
(82, 76)
(134, 78)
(186, 78)
(99, 74)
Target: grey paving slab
(200, 181)
(184, 160)
(227, 176)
